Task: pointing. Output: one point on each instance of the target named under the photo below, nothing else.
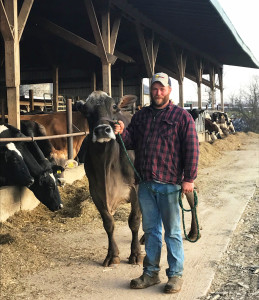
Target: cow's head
(14, 169)
(45, 188)
(102, 111)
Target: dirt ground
(58, 255)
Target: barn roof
(198, 28)
(202, 24)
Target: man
(166, 148)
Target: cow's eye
(115, 106)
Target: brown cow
(55, 124)
(110, 175)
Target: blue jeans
(156, 209)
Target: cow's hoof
(136, 259)
(142, 240)
(193, 236)
(111, 260)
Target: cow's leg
(192, 235)
(134, 224)
(113, 251)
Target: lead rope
(180, 197)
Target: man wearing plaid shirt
(166, 147)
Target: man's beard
(163, 102)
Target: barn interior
(112, 44)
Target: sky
(244, 17)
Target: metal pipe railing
(37, 138)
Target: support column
(199, 95)
(93, 82)
(181, 101)
(180, 61)
(55, 89)
(198, 67)
(31, 99)
(12, 61)
(212, 86)
(121, 87)
(12, 32)
(106, 72)
(220, 75)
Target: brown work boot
(173, 285)
(144, 281)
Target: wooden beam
(114, 34)
(144, 50)
(134, 15)
(121, 88)
(80, 42)
(93, 82)
(23, 16)
(96, 31)
(6, 30)
(172, 73)
(198, 69)
(220, 75)
(106, 30)
(106, 72)
(123, 57)
(55, 88)
(155, 51)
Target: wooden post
(199, 96)
(181, 101)
(198, 68)
(55, 89)
(93, 82)
(106, 72)
(220, 75)
(31, 100)
(12, 32)
(69, 129)
(141, 100)
(120, 87)
(2, 99)
(212, 86)
(12, 60)
(180, 61)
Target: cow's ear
(127, 100)
(79, 105)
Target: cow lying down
(110, 175)
(23, 164)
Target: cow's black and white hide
(43, 183)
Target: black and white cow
(11, 160)
(42, 180)
(111, 177)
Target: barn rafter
(115, 42)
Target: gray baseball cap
(161, 77)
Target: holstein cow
(11, 160)
(111, 177)
(213, 129)
(42, 181)
(56, 124)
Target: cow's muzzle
(103, 133)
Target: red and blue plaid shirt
(165, 143)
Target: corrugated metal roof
(203, 24)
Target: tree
(246, 105)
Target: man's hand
(118, 128)
(187, 187)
